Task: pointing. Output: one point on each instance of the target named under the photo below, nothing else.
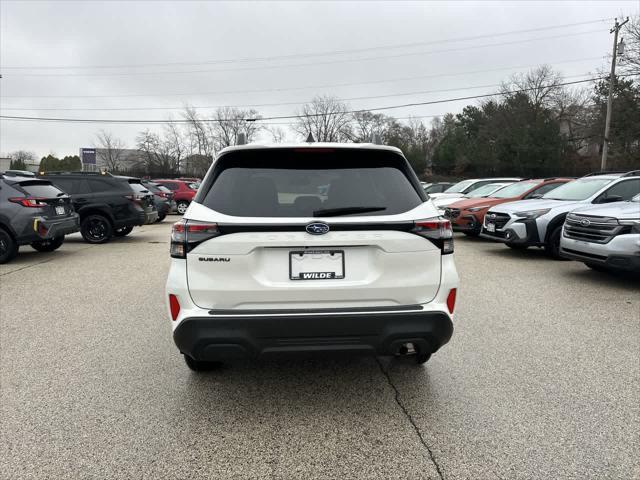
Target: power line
(305, 55)
(286, 117)
(280, 104)
(307, 87)
(327, 62)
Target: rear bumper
(375, 332)
(45, 229)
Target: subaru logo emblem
(493, 215)
(317, 228)
(584, 222)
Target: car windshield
(460, 186)
(514, 190)
(578, 190)
(289, 183)
(483, 191)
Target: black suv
(33, 212)
(108, 205)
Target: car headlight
(477, 209)
(634, 223)
(532, 213)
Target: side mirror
(610, 199)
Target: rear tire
(552, 247)
(182, 206)
(8, 246)
(96, 229)
(161, 218)
(472, 233)
(200, 366)
(48, 245)
(122, 231)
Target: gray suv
(604, 236)
(539, 222)
(33, 212)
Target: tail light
(174, 306)
(162, 194)
(438, 231)
(30, 202)
(451, 300)
(187, 234)
(136, 198)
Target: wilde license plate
(491, 227)
(316, 265)
(59, 210)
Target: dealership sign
(88, 156)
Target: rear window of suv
(41, 189)
(310, 183)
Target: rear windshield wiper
(334, 212)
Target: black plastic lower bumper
(46, 229)
(628, 263)
(222, 338)
(466, 223)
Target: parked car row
(594, 219)
(40, 211)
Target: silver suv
(538, 222)
(604, 237)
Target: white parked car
(481, 192)
(604, 236)
(460, 189)
(310, 248)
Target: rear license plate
(60, 210)
(491, 227)
(316, 265)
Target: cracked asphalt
(541, 380)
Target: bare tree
(113, 149)
(368, 124)
(22, 156)
(326, 118)
(174, 145)
(229, 122)
(199, 133)
(159, 155)
(278, 134)
(630, 59)
(540, 85)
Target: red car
(183, 192)
(467, 215)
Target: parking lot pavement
(541, 380)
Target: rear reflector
(174, 306)
(451, 300)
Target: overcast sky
(216, 54)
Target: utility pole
(605, 146)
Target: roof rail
(75, 173)
(561, 177)
(595, 174)
(632, 173)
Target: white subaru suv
(310, 248)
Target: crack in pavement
(410, 418)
